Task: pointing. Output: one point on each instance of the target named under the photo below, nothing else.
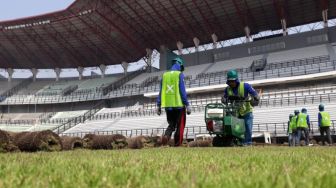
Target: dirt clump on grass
(115, 141)
(7, 143)
(38, 141)
(71, 143)
(200, 143)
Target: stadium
(95, 68)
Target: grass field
(173, 167)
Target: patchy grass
(308, 167)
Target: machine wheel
(218, 141)
(228, 141)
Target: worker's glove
(158, 111)
(224, 100)
(255, 101)
(188, 110)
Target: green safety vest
(170, 93)
(325, 119)
(292, 124)
(302, 120)
(247, 107)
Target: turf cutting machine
(223, 121)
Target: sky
(14, 9)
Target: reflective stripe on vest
(325, 119)
(170, 93)
(302, 120)
(247, 107)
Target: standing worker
(291, 130)
(242, 90)
(295, 131)
(173, 98)
(303, 125)
(324, 124)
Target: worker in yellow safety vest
(173, 98)
(324, 124)
(303, 125)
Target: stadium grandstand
(285, 49)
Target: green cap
(232, 75)
(178, 60)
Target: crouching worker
(173, 98)
(242, 90)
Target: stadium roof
(93, 32)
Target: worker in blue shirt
(324, 124)
(242, 90)
(173, 98)
(303, 125)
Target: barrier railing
(275, 129)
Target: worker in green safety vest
(173, 98)
(303, 125)
(324, 124)
(242, 90)
(291, 130)
(294, 129)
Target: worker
(173, 98)
(290, 130)
(303, 125)
(324, 124)
(242, 90)
(295, 131)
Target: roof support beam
(196, 43)
(281, 14)
(10, 72)
(58, 73)
(250, 15)
(80, 71)
(284, 27)
(243, 21)
(248, 34)
(324, 4)
(179, 46)
(214, 40)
